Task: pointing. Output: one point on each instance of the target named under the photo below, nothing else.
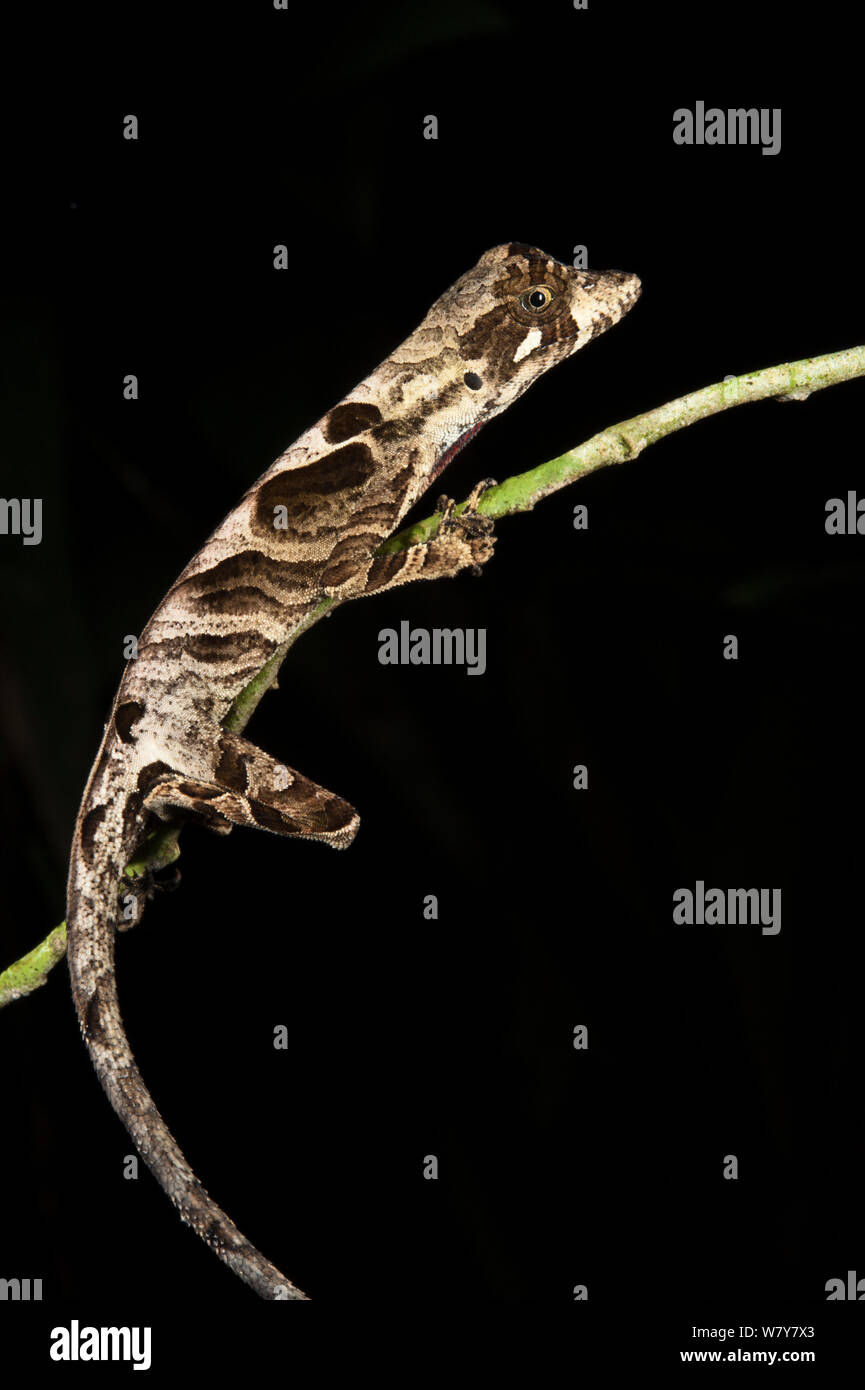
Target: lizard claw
(469, 521)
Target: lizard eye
(536, 299)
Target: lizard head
(482, 344)
(494, 332)
(519, 311)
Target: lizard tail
(95, 872)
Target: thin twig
(790, 381)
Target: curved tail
(95, 873)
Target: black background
(451, 1037)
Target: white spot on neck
(529, 343)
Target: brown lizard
(307, 529)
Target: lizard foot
(469, 526)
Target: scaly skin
(307, 529)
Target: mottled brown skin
(306, 530)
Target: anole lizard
(307, 529)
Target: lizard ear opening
(473, 381)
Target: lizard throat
(442, 463)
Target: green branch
(791, 381)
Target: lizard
(308, 529)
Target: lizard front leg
(463, 541)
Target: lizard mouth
(442, 462)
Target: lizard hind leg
(232, 782)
